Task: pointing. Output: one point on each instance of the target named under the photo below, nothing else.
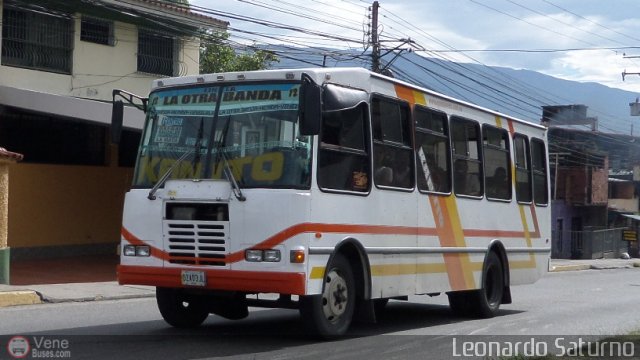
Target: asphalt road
(580, 303)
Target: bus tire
(329, 314)
(179, 309)
(484, 302)
(379, 305)
(460, 302)
(489, 297)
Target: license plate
(194, 278)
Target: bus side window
(392, 143)
(539, 167)
(523, 168)
(343, 159)
(432, 150)
(497, 163)
(467, 162)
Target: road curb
(558, 268)
(51, 300)
(21, 297)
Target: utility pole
(375, 53)
(376, 46)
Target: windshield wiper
(228, 173)
(166, 175)
(198, 147)
(196, 158)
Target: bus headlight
(271, 255)
(137, 250)
(253, 255)
(129, 250)
(143, 250)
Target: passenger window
(523, 168)
(343, 159)
(394, 165)
(467, 162)
(539, 162)
(432, 150)
(497, 164)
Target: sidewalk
(87, 278)
(94, 278)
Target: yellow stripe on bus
(527, 236)
(416, 269)
(406, 269)
(317, 272)
(458, 236)
(447, 219)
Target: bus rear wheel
(329, 314)
(484, 302)
(179, 309)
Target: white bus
(336, 190)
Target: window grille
(96, 31)
(36, 40)
(156, 54)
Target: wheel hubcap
(335, 296)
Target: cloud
(602, 66)
(469, 24)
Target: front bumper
(217, 279)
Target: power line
(591, 21)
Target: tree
(216, 55)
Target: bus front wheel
(179, 309)
(329, 314)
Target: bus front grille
(196, 243)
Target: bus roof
(320, 75)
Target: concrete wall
(629, 205)
(4, 202)
(65, 205)
(98, 69)
(599, 186)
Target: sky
(580, 40)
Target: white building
(61, 60)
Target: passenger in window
(384, 172)
(384, 176)
(465, 182)
(498, 184)
(402, 173)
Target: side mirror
(310, 106)
(117, 114)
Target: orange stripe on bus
(410, 95)
(133, 240)
(457, 263)
(445, 212)
(462, 275)
(294, 230)
(511, 128)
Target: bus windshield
(194, 132)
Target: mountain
(519, 93)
